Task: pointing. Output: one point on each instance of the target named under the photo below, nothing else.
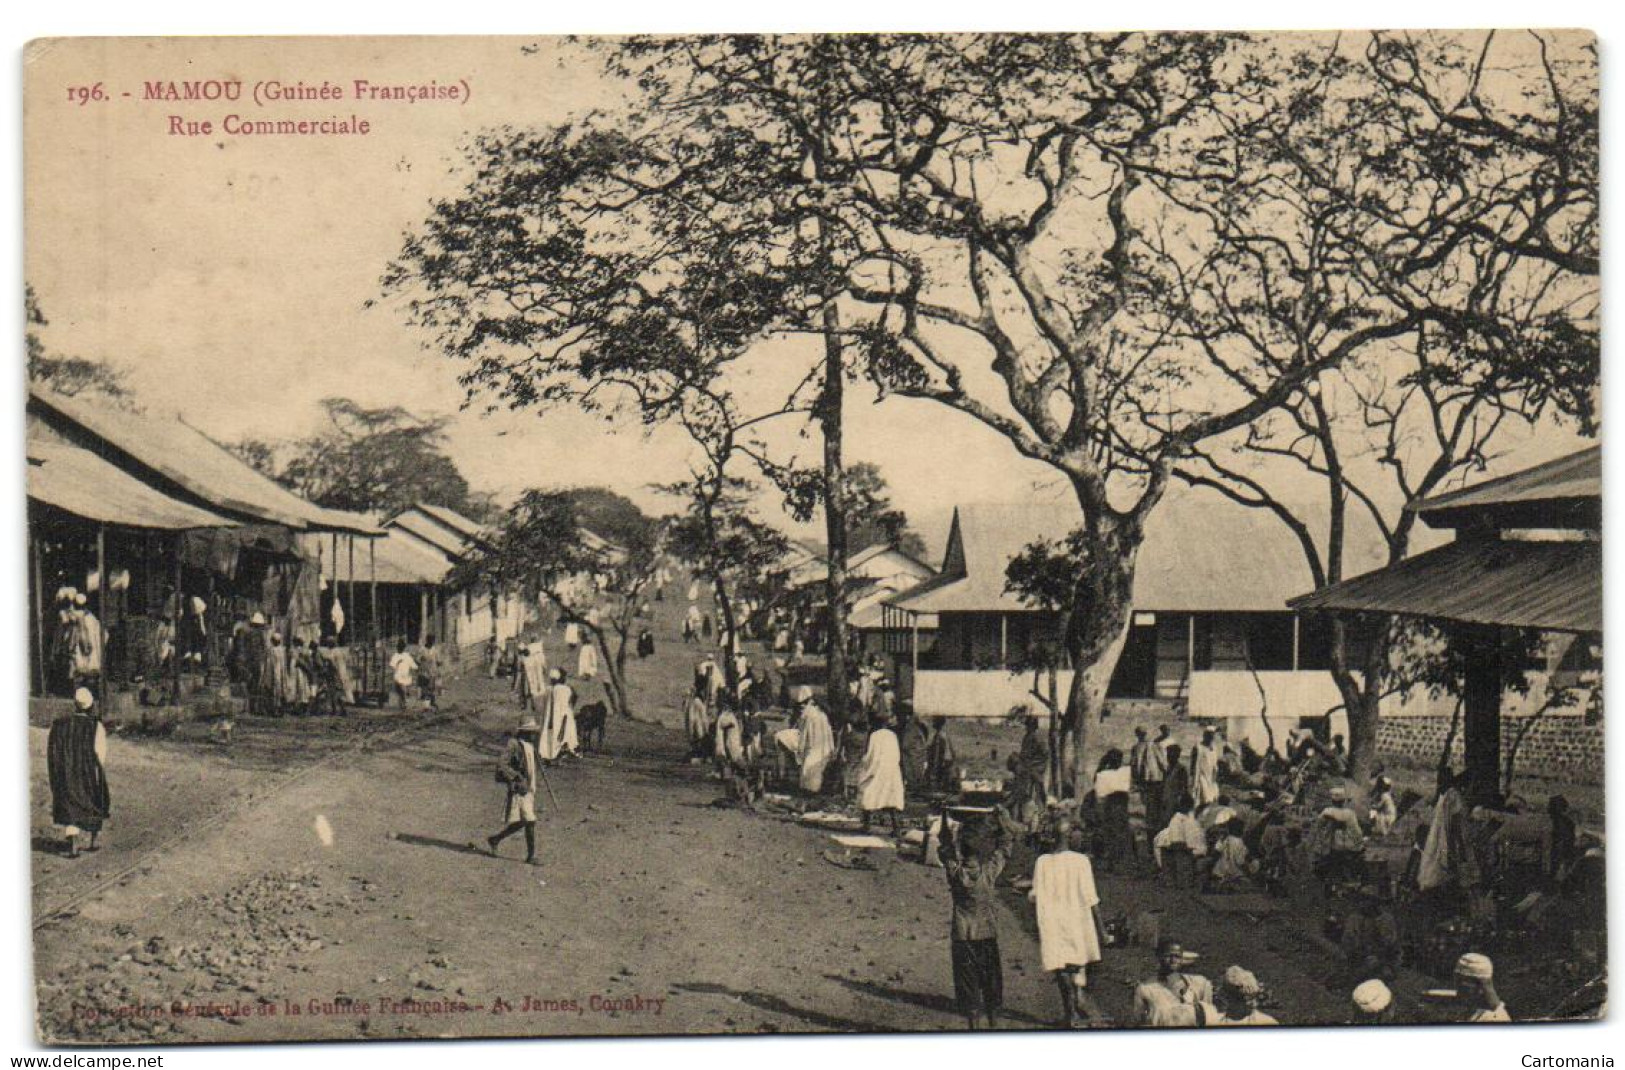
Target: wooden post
(101, 600)
(337, 638)
(39, 614)
(914, 647)
(175, 624)
(349, 542)
(1004, 640)
(423, 614)
(1190, 651)
(372, 583)
(1296, 621)
(1481, 709)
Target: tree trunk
(1362, 696)
(1102, 610)
(829, 419)
(725, 619)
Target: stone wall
(1563, 746)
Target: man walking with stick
(520, 770)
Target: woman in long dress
(880, 776)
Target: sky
(230, 275)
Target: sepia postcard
(740, 534)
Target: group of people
(314, 677)
(548, 697)
(79, 645)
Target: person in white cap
(1342, 840)
(561, 719)
(75, 758)
(1174, 998)
(1067, 905)
(815, 741)
(1475, 989)
(1238, 996)
(518, 771)
(1373, 1004)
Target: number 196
(84, 94)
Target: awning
(1517, 583)
(77, 481)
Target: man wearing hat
(815, 741)
(1475, 989)
(518, 770)
(1239, 993)
(256, 655)
(75, 757)
(1373, 1004)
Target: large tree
(370, 460)
(1029, 230)
(595, 577)
(65, 374)
(1493, 239)
(870, 516)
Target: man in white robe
(532, 676)
(1205, 770)
(587, 662)
(1067, 904)
(815, 742)
(561, 716)
(880, 776)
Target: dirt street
(325, 889)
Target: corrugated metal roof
(1202, 553)
(193, 462)
(1578, 475)
(77, 481)
(421, 527)
(454, 520)
(1547, 584)
(401, 559)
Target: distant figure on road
(429, 672)
(403, 669)
(76, 756)
(815, 742)
(561, 718)
(572, 635)
(337, 660)
(940, 772)
(697, 722)
(880, 776)
(1205, 769)
(519, 771)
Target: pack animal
(590, 720)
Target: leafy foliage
(67, 375)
